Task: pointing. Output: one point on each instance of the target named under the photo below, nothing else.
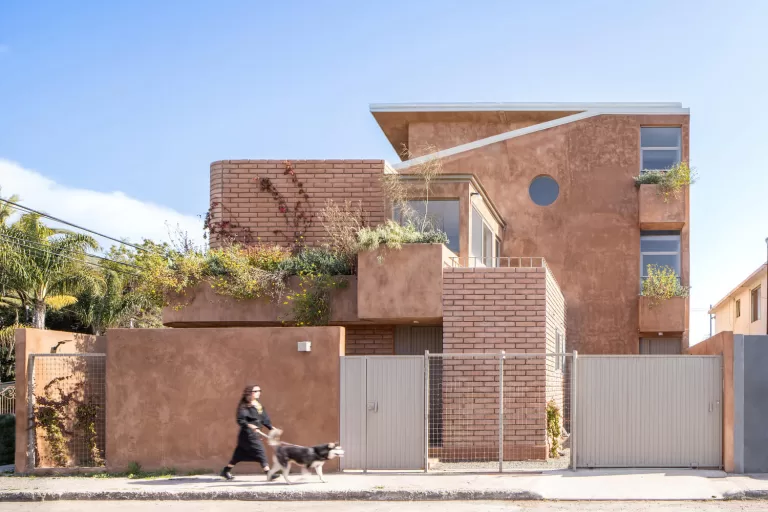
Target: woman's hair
(245, 400)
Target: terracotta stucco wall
(172, 393)
(590, 235)
(725, 315)
(370, 340)
(722, 344)
(36, 341)
(236, 196)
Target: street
(345, 506)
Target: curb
(375, 495)
(754, 494)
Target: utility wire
(88, 255)
(96, 265)
(30, 210)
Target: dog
(306, 457)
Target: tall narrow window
(738, 308)
(477, 238)
(661, 248)
(441, 214)
(756, 313)
(661, 148)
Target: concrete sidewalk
(559, 485)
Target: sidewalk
(560, 485)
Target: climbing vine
(225, 230)
(298, 218)
(85, 424)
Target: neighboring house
(544, 188)
(743, 310)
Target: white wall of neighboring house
(725, 311)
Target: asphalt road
(347, 506)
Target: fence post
(574, 359)
(31, 433)
(426, 411)
(501, 411)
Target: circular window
(544, 190)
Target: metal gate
(382, 412)
(66, 397)
(648, 411)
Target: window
(660, 248)
(756, 304)
(442, 214)
(543, 190)
(559, 349)
(482, 243)
(660, 148)
(497, 252)
(738, 308)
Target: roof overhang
(752, 276)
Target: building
(549, 183)
(743, 309)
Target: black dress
(249, 445)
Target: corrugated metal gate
(382, 412)
(648, 411)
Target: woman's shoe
(226, 474)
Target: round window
(544, 190)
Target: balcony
(205, 308)
(667, 316)
(402, 285)
(658, 214)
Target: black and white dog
(306, 457)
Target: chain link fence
(498, 412)
(66, 395)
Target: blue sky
(130, 101)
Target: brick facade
(487, 310)
(370, 340)
(236, 196)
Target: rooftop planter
(661, 212)
(201, 306)
(665, 316)
(402, 285)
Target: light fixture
(305, 346)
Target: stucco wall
(172, 393)
(236, 196)
(36, 341)
(590, 235)
(725, 314)
(722, 344)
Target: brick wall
(486, 310)
(370, 340)
(236, 197)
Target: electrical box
(305, 346)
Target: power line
(96, 265)
(88, 255)
(30, 210)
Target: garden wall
(172, 393)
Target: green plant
(662, 283)
(392, 235)
(671, 181)
(316, 261)
(342, 222)
(311, 303)
(7, 438)
(239, 272)
(51, 413)
(553, 428)
(85, 425)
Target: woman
(251, 416)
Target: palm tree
(44, 266)
(110, 305)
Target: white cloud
(112, 213)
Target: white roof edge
(731, 293)
(651, 107)
(532, 129)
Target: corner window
(756, 313)
(442, 214)
(738, 308)
(661, 148)
(661, 248)
(484, 244)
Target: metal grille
(8, 398)
(488, 412)
(66, 396)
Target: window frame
(660, 235)
(754, 298)
(397, 216)
(485, 232)
(738, 308)
(678, 148)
